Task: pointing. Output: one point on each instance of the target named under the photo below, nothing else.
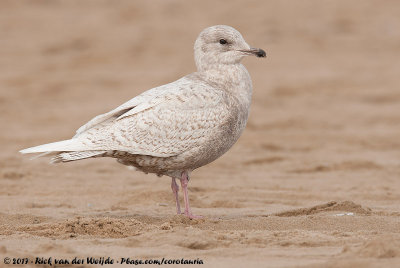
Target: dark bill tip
(256, 52)
(261, 53)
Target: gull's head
(221, 45)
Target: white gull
(178, 127)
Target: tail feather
(59, 146)
(73, 156)
(42, 154)
(65, 151)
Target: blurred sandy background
(313, 182)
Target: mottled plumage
(178, 127)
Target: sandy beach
(314, 181)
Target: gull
(178, 127)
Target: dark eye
(223, 42)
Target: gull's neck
(231, 77)
(227, 74)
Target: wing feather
(183, 116)
(140, 102)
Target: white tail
(73, 156)
(59, 146)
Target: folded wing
(162, 122)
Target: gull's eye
(223, 42)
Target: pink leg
(184, 184)
(175, 190)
